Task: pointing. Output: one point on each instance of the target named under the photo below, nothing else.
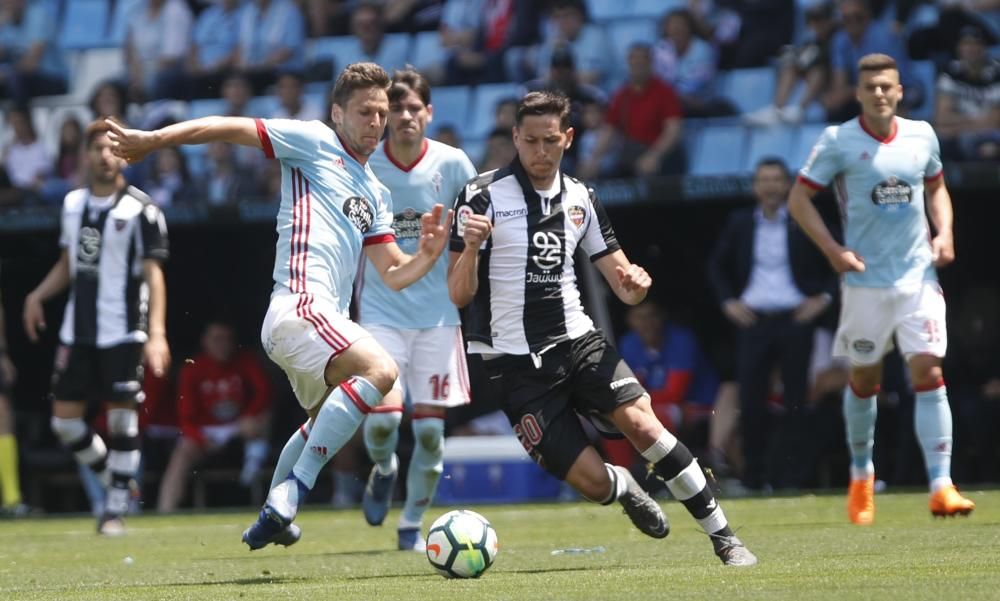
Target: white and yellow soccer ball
(461, 544)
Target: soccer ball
(461, 544)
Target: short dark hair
(772, 161)
(95, 129)
(358, 76)
(877, 62)
(406, 80)
(544, 103)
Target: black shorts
(582, 377)
(87, 373)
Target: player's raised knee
(381, 371)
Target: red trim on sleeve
(933, 178)
(265, 139)
(379, 239)
(939, 383)
(406, 168)
(809, 183)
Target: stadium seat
(262, 106)
(718, 150)
(119, 20)
(206, 107)
(196, 158)
(93, 67)
(451, 107)
(475, 148)
(807, 137)
(484, 103)
(924, 75)
(427, 50)
(749, 89)
(655, 9)
(606, 10)
(764, 142)
(84, 24)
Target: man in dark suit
(773, 285)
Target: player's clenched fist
(477, 230)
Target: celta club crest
(576, 215)
(437, 179)
(359, 212)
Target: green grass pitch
(806, 547)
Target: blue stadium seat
(655, 9)
(206, 107)
(484, 104)
(427, 50)
(196, 157)
(749, 89)
(776, 141)
(93, 67)
(262, 106)
(718, 150)
(84, 24)
(344, 50)
(925, 76)
(606, 10)
(451, 107)
(808, 135)
(119, 20)
(475, 148)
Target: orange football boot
(861, 501)
(946, 502)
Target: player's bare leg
(674, 463)
(859, 417)
(365, 373)
(933, 425)
(604, 483)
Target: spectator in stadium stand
(808, 62)
(411, 16)
(764, 27)
(485, 39)
(292, 103)
(25, 158)
(327, 17)
(772, 284)
(688, 63)
(368, 27)
(30, 63)
(586, 43)
(563, 77)
(169, 182)
(646, 119)
(225, 182)
(499, 151)
(937, 41)
(448, 134)
(667, 360)
(967, 116)
(214, 48)
(69, 163)
(223, 398)
(592, 116)
(858, 36)
(108, 100)
(272, 38)
(157, 39)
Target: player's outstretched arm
(398, 269)
(801, 207)
(134, 144)
(629, 282)
(463, 267)
(55, 282)
(940, 210)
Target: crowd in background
(630, 119)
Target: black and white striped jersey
(527, 298)
(106, 243)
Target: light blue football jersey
(879, 184)
(331, 206)
(436, 178)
